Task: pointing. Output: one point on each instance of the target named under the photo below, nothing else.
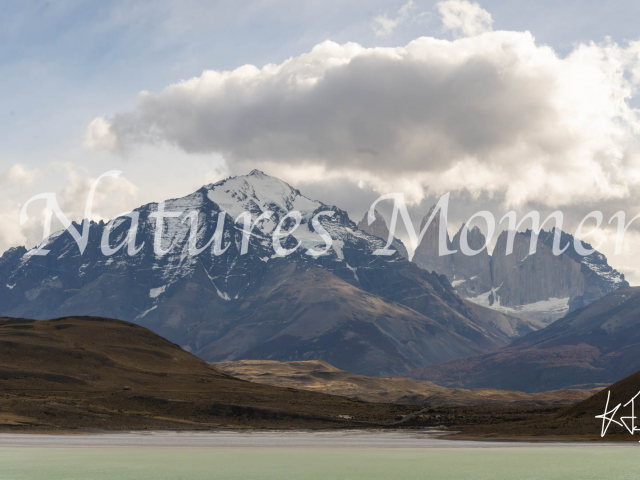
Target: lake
(304, 455)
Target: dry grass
(70, 373)
(319, 376)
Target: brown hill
(319, 376)
(72, 372)
(574, 422)
(582, 416)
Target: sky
(514, 105)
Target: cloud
(11, 234)
(463, 18)
(215, 175)
(495, 114)
(113, 196)
(19, 175)
(384, 26)
(632, 275)
(99, 137)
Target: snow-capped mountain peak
(257, 193)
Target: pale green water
(141, 463)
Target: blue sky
(64, 62)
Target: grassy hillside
(319, 376)
(71, 373)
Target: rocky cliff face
(471, 274)
(520, 278)
(545, 286)
(378, 228)
(427, 254)
(541, 286)
(361, 312)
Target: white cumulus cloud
(19, 175)
(494, 114)
(99, 137)
(383, 26)
(113, 195)
(463, 18)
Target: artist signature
(609, 415)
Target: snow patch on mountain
(597, 262)
(156, 292)
(544, 310)
(258, 193)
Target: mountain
(541, 286)
(378, 228)
(509, 323)
(319, 376)
(427, 254)
(471, 274)
(511, 326)
(592, 346)
(369, 314)
(71, 373)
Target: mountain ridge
(592, 346)
(542, 286)
(198, 301)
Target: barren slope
(70, 373)
(319, 376)
(594, 346)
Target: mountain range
(364, 313)
(239, 299)
(593, 346)
(542, 286)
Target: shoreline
(299, 439)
